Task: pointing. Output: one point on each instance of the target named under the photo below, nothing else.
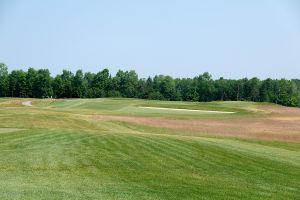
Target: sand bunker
(26, 103)
(188, 110)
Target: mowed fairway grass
(114, 149)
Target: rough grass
(56, 150)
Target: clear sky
(230, 38)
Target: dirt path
(189, 110)
(27, 103)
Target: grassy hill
(116, 149)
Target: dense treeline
(40, 84)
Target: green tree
(267, 91)
(42, 86)
(222, 89)
(88, 79)
(58, 87)
(67, 77)
(188, 89)
(17, 83)
(126, 83)
(205, 87)
(100, 83)
(4, 83)
(288, 94)
(142, 89)
(252, 88)
(167, 87)
(79, 85)
(39, 83)
(30, 79)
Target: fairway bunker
(26, 103)
(188, 110)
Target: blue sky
(231, 38)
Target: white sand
(26, 103)
(190, 110)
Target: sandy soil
(283, 124)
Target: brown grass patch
(283, 124)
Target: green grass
(132, 107)
(56, 150)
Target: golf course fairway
(120, 149)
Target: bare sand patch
(187, 110)
(26, 103)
